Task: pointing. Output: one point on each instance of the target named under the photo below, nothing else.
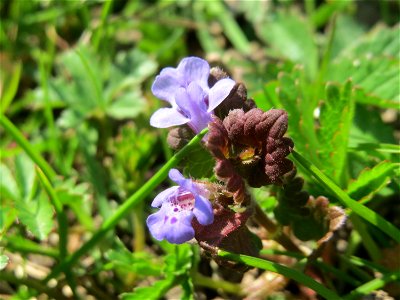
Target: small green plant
(281, 155)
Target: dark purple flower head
(179, 204)
(186, 89)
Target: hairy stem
(262, 219)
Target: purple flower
(179, 204)
(186, 89)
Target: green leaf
(179, 260)
(336, 115)
(371, 181)
(7, 217)
(290, 36)
(198, 164)
(372, 64)
(9, 87)
(153, 292)
(283, 270)
(140, 263)
(361, 210)
(36, 215)
(77, 197)
(128, 105)
(8, 186)
(25, 175)
(3, 261)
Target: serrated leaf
(3, 261)
(179, 260)
(8, 186)
(372, 64)
(153, 292)
(36, 215)
(77, 197)
(7, 217)
(25, 175)
(371, 181)
(290, 36)
(336, 115)
(140, 263)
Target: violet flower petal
(175, 227)
(219, 92)
(203, 210)
(165, 85)
(163, 196)
(192, 102)
(194, 69)
(167, 117)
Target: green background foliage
(80, 163)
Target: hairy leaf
(371, 181)
(336, 114)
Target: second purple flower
(186, 89)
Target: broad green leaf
(8, 186)
(77, 197)
(336, 115)
(25, 175)
(347, 30)
(293, 93)
(36, 215)
(372, 64)
(154, 292)
(140, 263)
(7, 218)
(288, 35)
(179, 260)
(3, 261)
(371, 181)
(127, 106)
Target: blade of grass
(361, 210)
(11, 89)
(281, 269)
(389, 148)
(19, 244)
(61, 217)
(100, 31)
(373, 285)
(62, 227)
(28, 148)
(125, 208)
(230, 26)
(319, 263)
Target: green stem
(226, 286)
(366, 239)
(373, 285)
(125, 208)
(361, 210)
(272, 229)
(31, 283)
(13, 244)
(24, 144)
(61, 217)
(281, 269)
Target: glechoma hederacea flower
(178, 206)
(186, 88)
